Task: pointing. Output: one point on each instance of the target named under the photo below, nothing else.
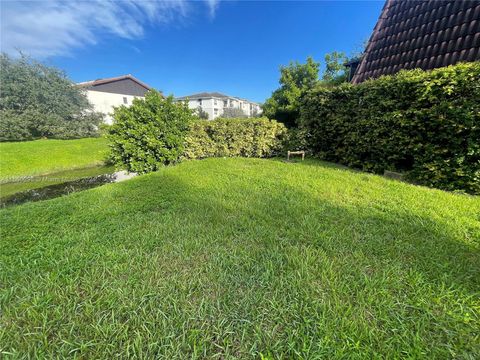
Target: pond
(34, 188)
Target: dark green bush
(296, 139)
(150, 133)
(426, 124)
(257, 137)
(40, 101)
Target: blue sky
(179, 47)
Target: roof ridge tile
(425, 34)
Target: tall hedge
(424, 123)
(257, 137)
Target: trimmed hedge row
(257, 137)
(426, 124)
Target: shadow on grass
(445, 252)
(239, 242)
(283, 213)
(435, 247)
(311, 161)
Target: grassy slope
(235, 257)
(46, 156)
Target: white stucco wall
(208, 105)
(104, 102)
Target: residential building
(215, 103)
(420, 34)
(104, 94)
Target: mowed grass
(40, 157)
(243, 258)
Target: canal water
(15, 191)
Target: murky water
(51, 186)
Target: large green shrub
(257, 137)
(150, 133)
(424, 123)
(40, 101)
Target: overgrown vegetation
(40, 157)
(424, 123)
(150, 133)
(257, 137)
(39, 101)
(243, 258)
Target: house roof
(421, 34)
(113, 79)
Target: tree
(295, 80)
(335, 70)
(40, 101)
(233, 113)
(150, 133)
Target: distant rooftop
(205, 95)
(209, 95)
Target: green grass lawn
(41, 157)
(243, 258)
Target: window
(225, 103)
(215, 111)
(125, 100)
(200, 102)
(215, 102)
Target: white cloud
(212, 6)
(55, 27)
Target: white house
(214, 104)
(104, 94)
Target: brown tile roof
(113, 79)
(421, 34)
